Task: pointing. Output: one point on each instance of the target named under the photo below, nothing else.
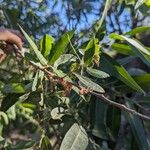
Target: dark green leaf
(98, 114)
(113, 68)
(22, 145)
(60, 46)
(45, 143)
(137, 129)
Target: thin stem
(120, 106)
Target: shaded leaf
(137, 128)
(22, 145)
(98, 114)
(113, 68)
(45, 143)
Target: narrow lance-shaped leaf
(137, 129)
(104, 14)
(42, 60)
(136, 47)
(138, 30)
(60, 46)
(45, 45)
(115, 69)
(97, 73)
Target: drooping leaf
(60, 46)
(45, 45)
(41, 58)
(137, 128)
(45, 143)
(89, 83)
(136, 47)
(97, 73)
(104, 14)
(113, 68)
(75, 139)
(98, 114)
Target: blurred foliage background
(35, 114)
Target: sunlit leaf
(59, 48)
(97, 73)
(45, 45)
(63, 59)
(89, 83)
(75, 139)
(34, 47)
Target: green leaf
(89, 84)
(60, 46)
(137, 128)
(35, 81)
(45, 143)
(91, 52)
(45, 45)
(143, 80)
(97, 73)
(63, 59)
(113, 68)
(14, 88)
(42, 60)
(139, 3)
(9, 101)
(98, 114)
(104, 14)
(122, 49)
(138, 30)
(137, 48)
(22, 145)
(75, 139)
(4, 117)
